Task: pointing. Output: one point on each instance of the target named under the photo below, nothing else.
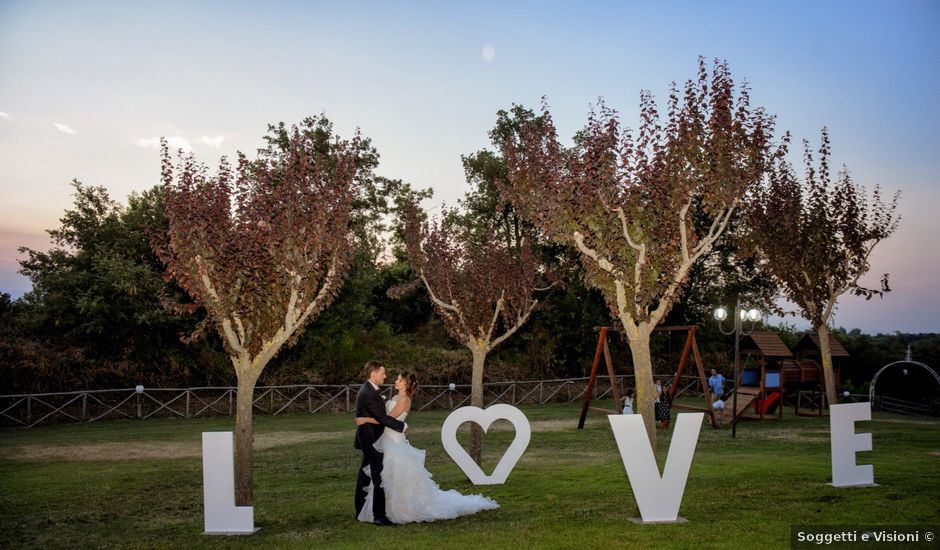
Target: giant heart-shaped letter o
(484, 418)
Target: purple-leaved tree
(815, 239)
(627, 204)
(264, 250)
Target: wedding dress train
(410, 493)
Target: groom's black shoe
(384, 522)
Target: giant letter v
(657, 497)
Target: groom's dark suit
(369, 403)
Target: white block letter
(484, 418)
(657, 497)
(218, 491)
(845, 443)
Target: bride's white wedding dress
(410, 493)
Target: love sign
(222, 517)
(485, 417)
(657, 497)
(845, 443)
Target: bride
(410, 493)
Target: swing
(602, 348)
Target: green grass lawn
(135, 484)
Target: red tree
(627, 205)
(263, 249)
(480, 283)
(815, 238)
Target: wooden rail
(28, 410)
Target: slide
(746, 396)
(770, 404)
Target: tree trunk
(244, 437)
(826, 354)
(476, 400)
(638, 337)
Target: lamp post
(739, 317)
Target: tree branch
(683, 233)
(332, 277)
(434, 297)
(236, 341)
(291, 315)
(520, 320)
(544, 288)
(640, 250)
(716, 230)
(602, 262)
(270, 347)
(499, 306)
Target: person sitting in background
(718, 406)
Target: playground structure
(690, 347)
(771, 377)
(907, 387)
(760, 384)
(811, 389)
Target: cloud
(174, 142)
(488, 53)
(4, 115)
(64, 129)
(153, 142)
(212, 141)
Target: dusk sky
(87, 88)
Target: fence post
(84, 407)
(29, 410)
(347, 398)
(229, 402)
(187, 403)
(309, 401)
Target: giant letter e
(845, 443)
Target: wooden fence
(26, 411)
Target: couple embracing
(393, 486)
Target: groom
(369, 403)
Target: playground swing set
(690, 347)
(769, 375)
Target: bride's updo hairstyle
(411, 382)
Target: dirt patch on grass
(151, 450)
(790, 435)
(563, 425)
(903, 421)
(147, 450)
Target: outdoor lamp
(139, 388)
(452, 386)
(741, 315)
